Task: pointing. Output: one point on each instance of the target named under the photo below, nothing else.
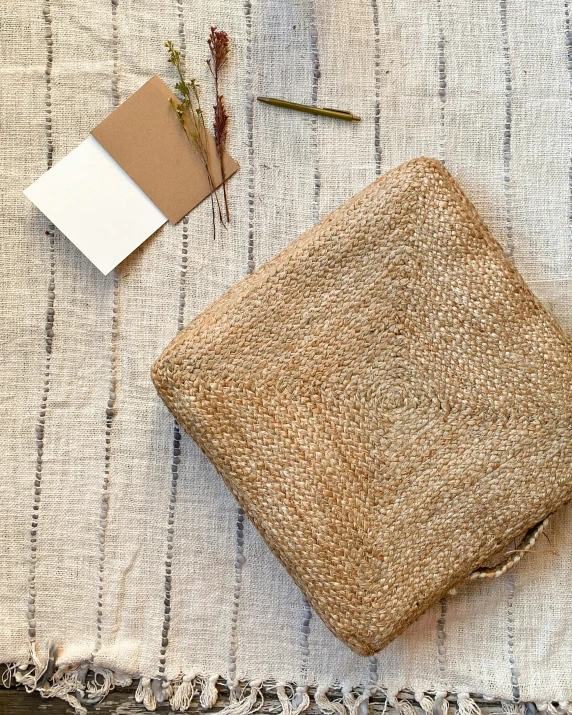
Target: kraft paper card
(145, 138)
(134, 172)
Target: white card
(93, 202)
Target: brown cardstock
(145, 138)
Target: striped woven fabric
(123, 554)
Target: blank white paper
(93, 202)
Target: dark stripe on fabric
(249, 132)
(377, 79)
(176, 448)
(506, 148)
(441, 654)
(568, 40)
(305, 627)
(239, 560)
(315, 58)
(239, 553)
(510, 638)
(175, 461)
(304, 640)
(110, 410)
(48, 340)
(442, 81)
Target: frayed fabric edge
(83, 685)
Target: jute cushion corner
(386, 399)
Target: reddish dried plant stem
(219, 46)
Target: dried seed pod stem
(191, 118)
(219, 46)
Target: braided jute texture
(386, 399)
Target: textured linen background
(139, 557)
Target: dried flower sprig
(219, 46)
(191, 118)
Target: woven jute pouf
(386, 399)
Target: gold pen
(321, 111)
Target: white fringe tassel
(31, 675)
(512, 709)
(441, 702)
(144, 694)
(84, 684)
(122, 680)
(209, 692)
(300, 700)
(425, 702)
(101, 684)
(327, 706)
(356, 704)
(244, 705)
(404, 707)
(466, 705)
(294, 700)
(8, 675)
(184, 693)
(283, 698)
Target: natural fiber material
(122, 548)
(386, 399)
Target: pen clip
(339, 111)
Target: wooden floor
(16, 701)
